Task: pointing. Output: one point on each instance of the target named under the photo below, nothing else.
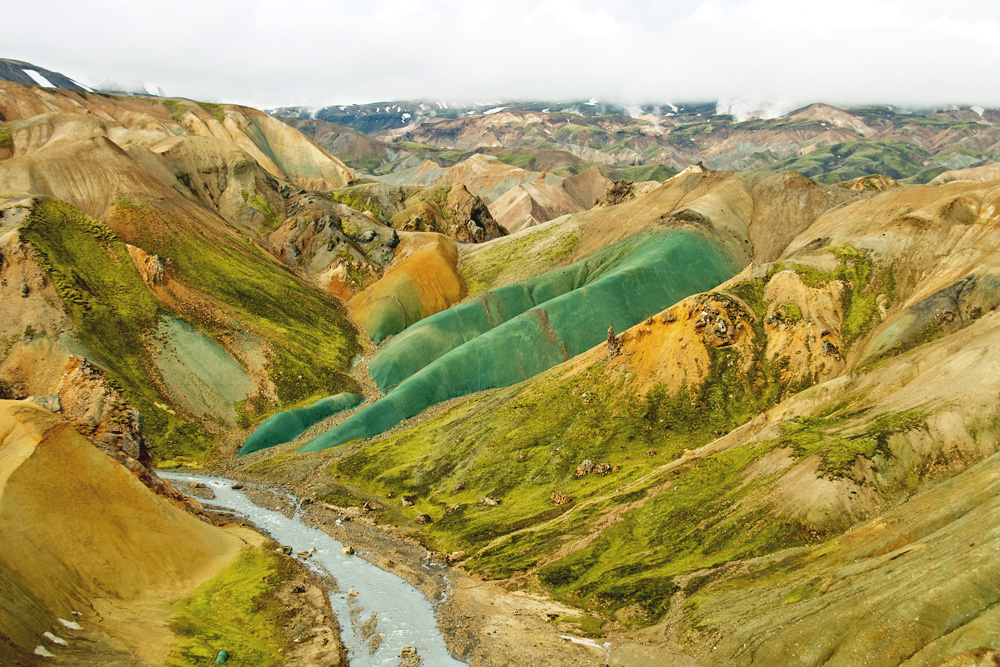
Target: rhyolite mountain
(736, 416)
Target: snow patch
(153, 89)
(38, 78)
(592, 102)
(40, 650)
(55, 640)
(405, 116)
(72, 625)
(84, 86)
(979, 110)
(633, 112)
(494, 110)
(674, 108)
(545, 110)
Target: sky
(267, 53)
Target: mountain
(636, 406)
(27, 74)
(820, 140)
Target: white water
(405, 615)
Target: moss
(6, 141)
(501, 262)
(236, 610)
(790, 313)
(309, 339)
(217, 110)
(839, 451)
(360, 199)
(709, 513)
(113, 314)
(272, 219)
(177, 109)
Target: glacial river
(405, 617)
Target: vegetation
(217, 110)
(177, 109)
(309, 339)
(272, 219)
(112, 311)
(236, 610)
(6, 141)
(536, 251)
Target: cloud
(314, 52)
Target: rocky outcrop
(470, 219)
(150, 268)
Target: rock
(602, 469)
(491, 501)
(50, 402)
(585, 468)
(306, 554)
(24, 290)
(237, 485)
(408, 652)
(284, 550)
(457, 556)
(614, 345)
(347, 551)
(353, 593)
(202, 491)
(560, 498)
(616, 193)
(371, 506)
(197, 485)
(422, 518)
(458, 488)
(457, 507)
(368, 236)
(406, 503)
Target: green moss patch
(237, 611)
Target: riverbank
(483, 623)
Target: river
(405, 617)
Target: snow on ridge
(592, 102)
(979, 110)
(38, 78)
(494, 110)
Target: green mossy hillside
(656, 514)
(237, 611)
(113, 313)
(309, 339)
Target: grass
(236, 611)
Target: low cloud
(315, 52)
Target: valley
(570, 383)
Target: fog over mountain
(267, 53)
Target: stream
(405, 617)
